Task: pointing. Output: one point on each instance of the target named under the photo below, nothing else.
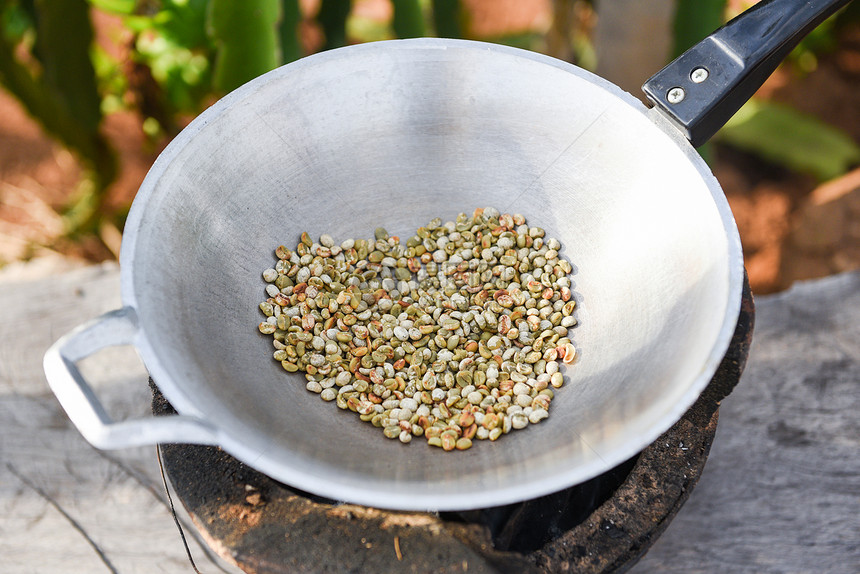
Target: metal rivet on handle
(676, 95)
(699, 75)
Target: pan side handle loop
(704, 87)
(77, 398)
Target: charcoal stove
(603, 525)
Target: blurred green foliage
(408, 19)
(172, 46)
(246, 40)
(181, 55)
(45, 62)
(447, 18)
(789, 138)
(695, 19)
(288, 29)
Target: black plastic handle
(704, 87)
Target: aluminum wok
(397, 133)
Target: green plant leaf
(408, 19)
(172, 56)
(245, 33)
(447, 18)
(288, 29)
(695, 19)
(113, 84)
(15, 21)
(183, 22)
(115, 6)
(63, 39)
(138, 24)
(62, 94)
(64, 97)
(787, 137)
(332, 17)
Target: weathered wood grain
(781, 490)
(66, 507)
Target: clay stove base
(265, 527)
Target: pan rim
(298, 477)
